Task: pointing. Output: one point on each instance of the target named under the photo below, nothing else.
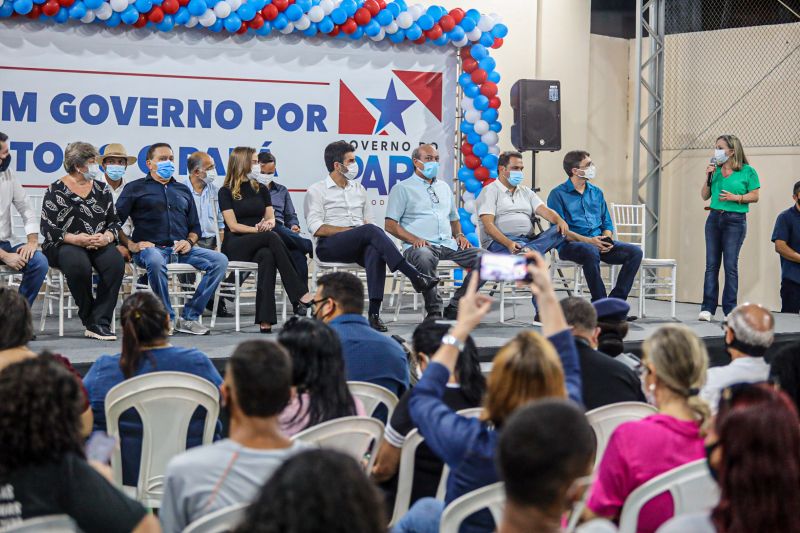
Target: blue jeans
(725, 233)
(156, 259)
(589, 256)
(423, 517)
(33, 273)
(299, 247)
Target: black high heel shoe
(301, 308)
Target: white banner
(201, 91)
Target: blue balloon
(43, 1)
(472, 91)
(435, 12)
(464, 80)
(398, 37)
(481, 102)
(233, 23)
(384, 17)
(490, 115)
(457, 33)
(143, 6)
(441, 41)
(467, 226)
(463, 213)
(357, 34)
(349, 7)
(394, 9)
(304, 5)
(480, 149)
(478, 192)
(246, 12)
(182, 16)
(500, 31)
(293, 12)
(466, 127)
(478, 52)
(23, 7)
(487, 63)
(166, 24)
(258, 5)
(325, 25)
(493, 174)
(338, 15)
(129, 16)
(465, 173)
(425, 22)
(372, 28)
(8, 8)
(414, 32)
(217, 26)
(489, 161)
(265, 30)
(467, 24)
(472, 237)
(311, 30)
(280, 21)
(494, 76)
(473, 138)
(472, 185)
(112, 22)
(487, 39)
(473, 14)
(77, 11)
(197, 7)
(92, 4)
(495, 127)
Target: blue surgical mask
(720, 156)
(430, 169)
(165, 169)
(115, 172)
(515, 177)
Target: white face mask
(265, 179)
(211, 175)
(590, 173)
(92, 171)
(720, 156)
(255, 172)
(352, 171)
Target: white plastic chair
(441, 490)
(492, 497)
(630, 222)
(604, 420)
(353, 435)
(165, 402)
(372, 396)
(405, 475)
(691, 487)
(58, 523)
(220, 521)
(56, 290)
(179, 292)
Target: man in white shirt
(338, 216)
(114, 161)
(749, 332)
(257, 387)
(24, 258)
(422, 213)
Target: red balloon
(478, 76)
(34, 12)
(489, 89)
(50, 8)
(349, 26)
(362, 16)
(141, 22)
(465, 53)
(183, 3)
(447, 23)
(494, 102)
(421, 40)
(156, 15)
(170, 7)
(372, 6)
(269, 12)
(469, 65)
(335, 31)
(242, 29)
(457, 14)
(488, 182)
(280, 5)
(472, 162)
(381, 4)
(434, 33)
(466, 148)
(256, 22)
(498, 42)
(66, 3)
(481, 173)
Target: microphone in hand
(710, 173)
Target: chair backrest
(492, 497)
(691, 487)
(353, 435)
(57, 523)
(214, 213)
(220, 521)
(441, 491)
(165, 402)
(372, 396)
(405, 476)
(604, 420)
(630, 223)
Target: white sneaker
(192, 327)
(705, 316)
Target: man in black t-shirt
(605, 380)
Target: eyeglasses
(433, 195)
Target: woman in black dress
(249, 219)
(80, 225)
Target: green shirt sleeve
(753, 182)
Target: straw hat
(114, 150)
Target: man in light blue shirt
(202, 174)
(422, 213)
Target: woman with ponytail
(674, 366)
(145, 349)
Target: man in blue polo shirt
(167, 229)
(786, 237)
(583, 206)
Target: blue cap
(611, 309)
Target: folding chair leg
(45, 302)
(502, 301)
(401, 287)
(674, 289)
(236, 298)
(61, 306)
(642, 290)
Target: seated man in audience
(422, 213)
(287, 225)
(368, 355)
(25, 258)
(257, 386)
(167, 229)
(114, 161)
(749, 332)
(786, 236)
(605, 380)
(338, 215)
(612, 314)
(583, 206)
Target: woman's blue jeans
(725, 233)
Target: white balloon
(234, 4)
(484, 23)
(222, 9)
(1, 3)
(474, 35)
(494, 149)
(474, 219)
(288, 29)
(208, 18)
(467, 104)
(88, 17)
(381, 36)
(472, 116)
(192, 22)
(469, 205)
(104, 12)
(497, 19)
(405, 20)
(316, 13)
(462, 43)
(302, 23)
(119, 5)
(490, 138)
(481, 127)
(391, 28)
(327, 6)
(131, 2)
(416, 11)
(467, 196)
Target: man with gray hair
(749, 332)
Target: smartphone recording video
(503, 267)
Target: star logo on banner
(391, 109)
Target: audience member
(339, 217)
(114, 161)
(319, 387)
(24, 258)
(674, 367)
(784, 371)
(202, 480)
(545, 457)
(605, 380)
(249, 220)
(368, 355)
(786, 236)
(287, 225)
(749, 331)
(145, 349)
(43, 470)
(166, 230)
(464, 390)
(753, 452)
(422, 213)
(612, 314)
(316, 491)
(79, 224)
(525, 369)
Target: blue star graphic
(391, 109)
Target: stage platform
(489, 336)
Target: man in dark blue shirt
(786, 237)
(287, 224)
(368, 355)
(583, 206)
(166, 229)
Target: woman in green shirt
(733, 187)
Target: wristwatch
(451, 340)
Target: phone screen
(100, 447)
(503, 267)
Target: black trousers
(790, 296)
(267, 249)
(76, 264)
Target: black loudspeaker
(537, 115)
